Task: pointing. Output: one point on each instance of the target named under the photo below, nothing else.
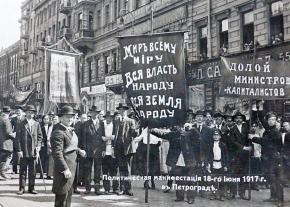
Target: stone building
(9, 69)
(232, 28)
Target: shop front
(114, 91)
(204, 83)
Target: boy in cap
(218, 162)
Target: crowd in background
(115, 144)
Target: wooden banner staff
(250, 123)
(148, 131)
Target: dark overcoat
(6, 141)
(63, 160)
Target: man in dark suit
(205, 136)
(64, 145)
(271, 153)
(125, 132)
(239, 149)
(45, 127)
(28, 143)
(15, 122)
(6, 140)
(94, 146)
(182, 156)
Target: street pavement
(9, 198)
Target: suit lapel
(27, 128)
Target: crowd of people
(77, 149)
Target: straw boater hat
(218, 114)
(122, 106)
(95, 109)
(66, 110)
(199, 112)
(109, 114)
(30, 108)
(6, 109)
(239, 114)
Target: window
(116, 9)
(138, 4)
(126, 6)
(107, 59)
(99, 19)
(248, 30)
(203, 42)
(276, 23)
(114, 62)
(80, 21)
(224, 35)
(91, 21)
(69, 21)
(97, 68)
(107, 14)
(90, 67)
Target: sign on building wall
(255, 79)
(154, 76)
(63, 84)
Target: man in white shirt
(109, 165)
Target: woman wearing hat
(64, 146)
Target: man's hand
(250, 136)
(20, 154)
(82, 153)
(247, 148)
(67, 174)
(37, 149)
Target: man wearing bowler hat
(125, 131)
(94, 146)
(28, 143)
(64, 146)
(6, 140)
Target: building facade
(233, 28)
(212, 29)
(92, 27)
(9, 70)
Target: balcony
(24, 35)
(24, 54)
(65, 32)
(33, 50)
(85, 2)
(25, 17)
(65, 7)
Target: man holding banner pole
(125, 131)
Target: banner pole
(250, 122)
(147, 164)
(148, 131)
(45, 81)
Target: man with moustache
(239, 149)
(64, 146)
(94, 146)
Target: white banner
(63, 76)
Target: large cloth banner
(63, 79)
(153, 71)
(257, 79)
